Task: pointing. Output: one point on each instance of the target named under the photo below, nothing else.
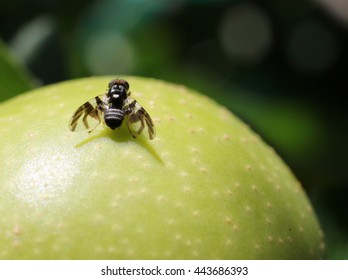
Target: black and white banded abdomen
(113, 117)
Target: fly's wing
(137, 119)
(89, 115)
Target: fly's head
(118, 89)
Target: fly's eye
(111, 83)
(126, 85)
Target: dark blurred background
(281, 66)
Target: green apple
(206, 187)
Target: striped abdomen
(113, 117)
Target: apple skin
(206, 187)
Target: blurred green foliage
(280, 65)
(14, 78)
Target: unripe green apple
(206, 187)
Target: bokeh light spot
(338, 9)
(28, 40)
(245, 33)
(109, 53)
(312, 47)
